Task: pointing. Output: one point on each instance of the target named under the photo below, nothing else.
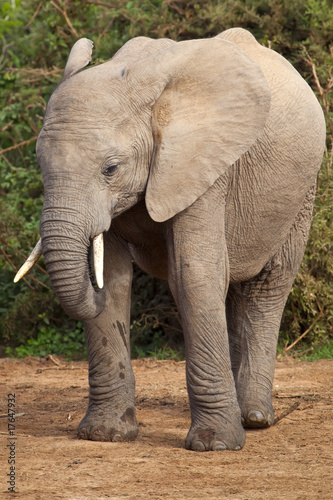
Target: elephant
(197, 160)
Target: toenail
(256, 416)
(198, 446)
(219, 446)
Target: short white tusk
(30, 262)
(98, 247)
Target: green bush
(51, 340)
(35, 39)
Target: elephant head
(161, 120)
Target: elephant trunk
(67, 249)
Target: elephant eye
(110, 169)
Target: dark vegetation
(35, 39)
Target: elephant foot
(213, 439)
(257, 417)
(98, 428)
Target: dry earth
(291, 460)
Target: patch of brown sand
(292, 460)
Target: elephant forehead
(83, 97)
(78, 109)
(70, 118)
(74, 143)
(66, 144)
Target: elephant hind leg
(254, 311)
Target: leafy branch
(324, 93)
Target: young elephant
(204, 155)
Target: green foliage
(50, 340)
(310, 303)
(35, 39)
(155, 321)
(315, 353)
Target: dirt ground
(291, 460)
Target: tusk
(30, 262)
(98, 247)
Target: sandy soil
(291, 460)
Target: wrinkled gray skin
(204, 156)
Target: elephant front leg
(111, 412)
(198, 276)
(215, 414)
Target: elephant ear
(213, 105)
(79, 57)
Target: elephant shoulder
(270, 62)
(284, 80)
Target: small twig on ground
(288, 396)
(5, 415)
(286, 412)
(51, 358)
(60, 368)
(70, 416)
(18, 435)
